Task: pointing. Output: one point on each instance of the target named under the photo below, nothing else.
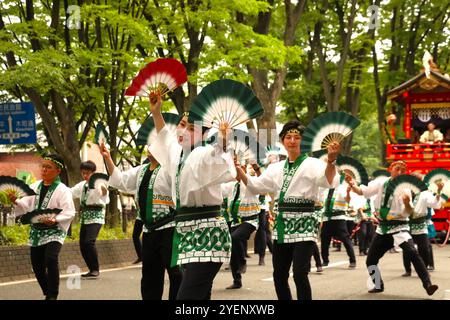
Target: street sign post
(17, 123)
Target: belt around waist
(336, 213)
(91, 207)
(393, 222)
(418, 220)
(296, 207)
(248, 218)
(196, 213)
(160, 222)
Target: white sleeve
(432, 201)
(65, 202)
(319, 167)
(77, 190)
(266, 182)
(96, 196)
(423, 137)
(24, 205)
(163, 148)
(371, 189)
(124, 181)
(212, 166)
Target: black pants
(44, 260)
(137, 230)
(239, 236)
(382, 243)
(430, 254)
(316, 255)
(423, 244)
(88, 236)
(298, 255)
(365, 235)
(337, 229)
(263, 236)
(156, 258)
(197, 281)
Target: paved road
(336, 283)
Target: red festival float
(419, 101)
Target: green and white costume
(396, 218)
(418, 221)
(296, 188)
(202, 233)
(160, 192)
(92, 204)
(246, 208)
(58, 196)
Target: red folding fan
(163, 75)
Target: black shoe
(261, 261)
(406, 274)
(375, 290)
(235, 285)
(137, 261)
(430, 268)
(51, 298)
(352, 265)
(431, 289)
(91, 274)
(319, 269)
(325, 264)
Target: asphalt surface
(337, 282)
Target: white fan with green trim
(403, 182)
(224, 104)
(327, 128)
(355, 167)
(101, 135)
(437, 175)
(147, 132)
(245, 146)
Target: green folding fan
(437, 175)
(381, 173)
(14, 186)
(396, 186)
(36, 217)
(224, 104)
(328, 128)
(147, 132)
(101, 135)
(356, 168)
(245, 146)
(97, 179)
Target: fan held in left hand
(37, 217)
(97, 179)
(162, 75)
(326, 129)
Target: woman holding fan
(202, 240)
(295, 182)
(48, 230)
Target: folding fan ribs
(224, 104)
(326, 129)
(163, 75)
(13, 186)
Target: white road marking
(68, 275)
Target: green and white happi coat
(197, 177)
(90, 199)
(58, 196)
(418, 223)
(295, 185)
(159, 191)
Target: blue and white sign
(17, 123)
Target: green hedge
(18, 234)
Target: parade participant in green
(296, 183)
(92, 209)
(46, 242)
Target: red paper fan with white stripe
(165, 74)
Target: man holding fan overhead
(202, 240)
(49, 212)
(296, 182)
